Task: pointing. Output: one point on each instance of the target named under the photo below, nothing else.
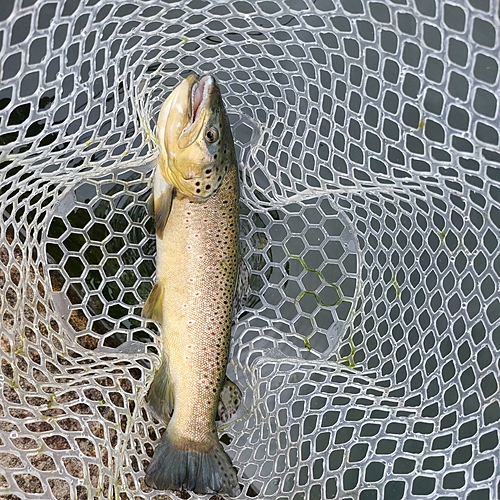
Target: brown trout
(196, 196)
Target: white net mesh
(368, 141)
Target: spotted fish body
(196, 210)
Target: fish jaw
(194, 133)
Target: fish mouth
(200, 94)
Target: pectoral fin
(153, 307)
(162, 206)
(151, 205)
(164, 194)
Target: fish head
(195, 138)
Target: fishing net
(367, 350)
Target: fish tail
(173, 468)
(161, 395)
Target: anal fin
(161, 394)
(154, 304)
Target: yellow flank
(196, 216)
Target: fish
(196, 197)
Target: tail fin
(201, 472)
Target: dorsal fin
(242, 290)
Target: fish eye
(211, 135)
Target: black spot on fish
(208, 186)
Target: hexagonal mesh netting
(367, 134)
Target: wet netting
(368, 349)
